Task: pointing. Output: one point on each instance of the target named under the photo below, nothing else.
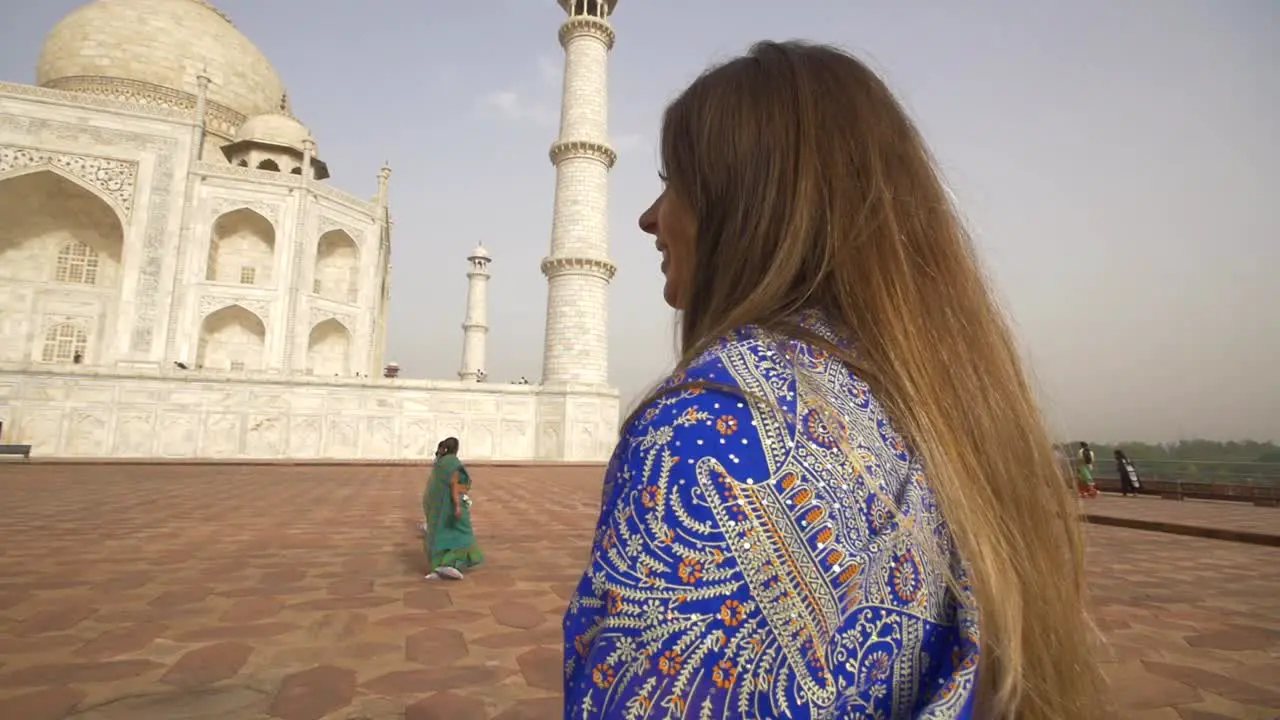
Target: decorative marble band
(94, 101)
(481, 327)
(556, 266)
(270, 177)
(220, 118)
(212, 303)
(329, 224)
(589, 26)
(319, 315)
(114, 178)
(222, 205)
(591, 149)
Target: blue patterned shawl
(778, 557)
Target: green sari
(449, 540)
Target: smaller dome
(275, 129)
(479, 253)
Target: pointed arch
(242, 248)
(54, 227)
(231, 338)
(121, 212)
(329, 349)
(269, 164)
(337, 269)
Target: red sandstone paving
(1220, 514)
(295, 592)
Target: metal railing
(1197, 471)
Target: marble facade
(178, 279)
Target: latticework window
(248, 275)
(77, 264)
(237, 365)
(63, 342)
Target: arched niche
(242, 249)
(337, 267)
(329, 349)
(231, 338)
(269, 164)
(53, 229)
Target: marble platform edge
(1173, 528)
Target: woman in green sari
(449, 541)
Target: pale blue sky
(1117, 162)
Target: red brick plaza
(172, 592)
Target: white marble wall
(149, 414)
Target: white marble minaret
(475, 328)
(578, 269)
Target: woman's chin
(669, 294)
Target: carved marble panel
(41, 429)
(179, 434)
(163, 151)
(221, 435)
(515, 439)
(549, 441)
(304, 436)
(417, 438)
(115, 179)
(135, 433)
(379, 437)
(584, 441)
(342, 437)
(480, 440)
(449, 426)
(265, 436)
(87, 435)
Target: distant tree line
(1245, 460)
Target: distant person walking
(1129, 482)
(449, 541)
(1087, 486)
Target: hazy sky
(1117, 161)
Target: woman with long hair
(448, 539)
(806, 519)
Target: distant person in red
(1087, 486)
(1129, 482)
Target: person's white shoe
(449, 573)
(431, 576)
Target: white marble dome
(164, 43)
(275, 128)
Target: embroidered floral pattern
(776, 554)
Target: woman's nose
(649, 220)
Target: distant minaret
(578, 269)
(475, 329)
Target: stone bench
(23, 450)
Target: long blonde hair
(812, 188)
